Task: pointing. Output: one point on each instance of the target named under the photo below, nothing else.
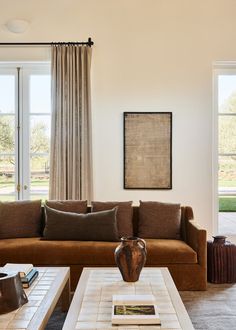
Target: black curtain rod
(89, 43)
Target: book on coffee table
(134, 309)
(29, 278)
(23, 269)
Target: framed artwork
(147, 150)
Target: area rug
(214, 309)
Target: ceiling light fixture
(17, 25)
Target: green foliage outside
(227, 204)
(10, 186)
(39, 164)
(229, 105)
(227, 144)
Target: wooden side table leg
(65, 297)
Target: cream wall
(149, 55)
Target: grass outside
(227, 204)
(9, 183)
(9, 198)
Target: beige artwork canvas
(147, 150)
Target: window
(225, 91)
(25, 113)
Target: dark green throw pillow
(97, 226)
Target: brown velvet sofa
(185, 257)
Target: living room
(148, 56)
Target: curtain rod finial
(90, 42)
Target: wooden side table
(221, 261)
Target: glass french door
(225, 156)
(25, 114)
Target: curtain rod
(89, 43)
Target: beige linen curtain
(71, 150)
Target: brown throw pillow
(124, 215)
(20, 219)
(99, 226)
(75, 206)
(159, 220)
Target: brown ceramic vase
(130, 257)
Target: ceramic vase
(130, 257)
(221, 260)
(12, 295)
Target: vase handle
(142, 243)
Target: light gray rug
(214, 309)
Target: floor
(227, 223)
(214, 309)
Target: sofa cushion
(98, 226)
(159, 220)
(75, 206)
(20, 219)
(90, 253)
(169, 251)
(124, 215)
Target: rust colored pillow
(159, 220)
(20, 219)
(98, 226)
(75, 206)
(124, 215)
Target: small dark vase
(12, 295)
(130, 257)
(221, 261)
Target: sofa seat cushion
(169, 251)
(38, 252)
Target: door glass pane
(7, 93)
(227, 173)
(40, 94)
(227, 93)
(7, 137)
(227, 134)
(40, 127)
(7, 177)
(7, 134)
(39, 178)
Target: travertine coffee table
(43, 296)
(92, 302)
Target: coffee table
(43, 295)
(91, 306)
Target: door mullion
(25, 135)
(18, 139)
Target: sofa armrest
(196, 238)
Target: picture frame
(147, 150)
